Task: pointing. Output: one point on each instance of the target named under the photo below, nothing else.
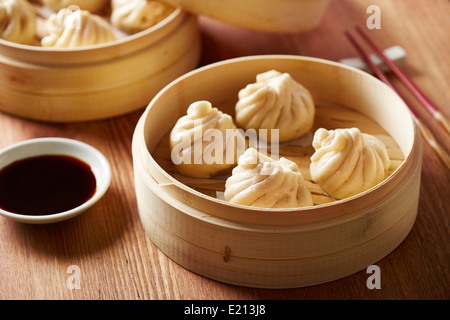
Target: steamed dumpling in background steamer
(69, 29)
(17, 21)
(90, 5)
(260, 181)
(347, 162)
(276, 101)
(136, 15)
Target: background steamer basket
(282, 16)
(99, 81)
(278, 248)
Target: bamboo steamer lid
(283, 16)
(98, 81)
(278, 248)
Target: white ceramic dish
(59, 146)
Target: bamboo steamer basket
(282, 16)
(278, 248)
(98, 81)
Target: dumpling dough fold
(260, 181)
(90, 5)
(76, 28)
(347, 162)
(276, 101)
(136, 15)
(205, 141)
(17, 21)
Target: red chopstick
(413, 88)
(426, 133)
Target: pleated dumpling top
(205, 141)
(17, 21)
(90, 5)
(347, 162)
(260, 181)
(76, 28)
(276, 101)
(136, 15)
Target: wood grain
(108, 244)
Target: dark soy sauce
(46, 184)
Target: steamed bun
(69, 29)
(347, 162)
(17, 21)
(276, 101)
(260, 181)
(90, 5)
(205, 141)
(136, 15)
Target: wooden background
(108, 244)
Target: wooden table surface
(108, 244)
